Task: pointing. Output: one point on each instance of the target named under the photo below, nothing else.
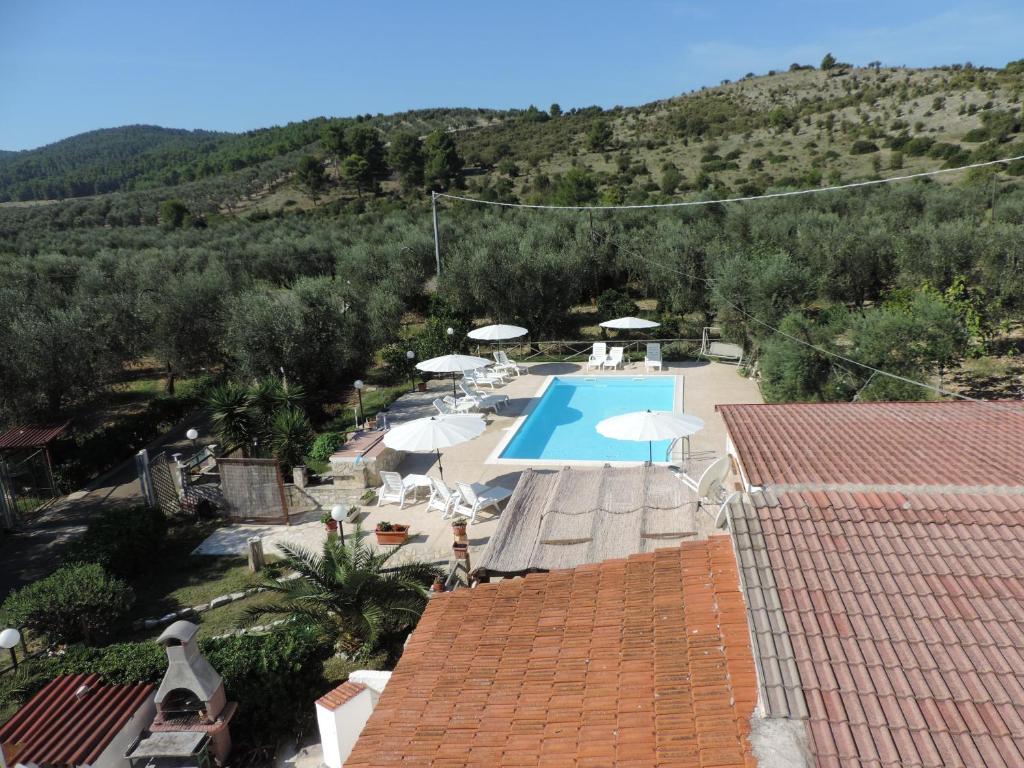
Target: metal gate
(165, 489)
(26, 487)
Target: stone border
(185, 613)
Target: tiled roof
(31, 435)
(637, 662)
(937, 443)
(57, 726)
(902, 614)
(340, 695)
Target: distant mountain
(148, 156)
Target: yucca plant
(232, 417)
(350, 591)
(290, 436)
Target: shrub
(290, 436)
(326, 444)
(613, 303)
(863, 147)
(118, 664)
(397, 364)
(121, 540)
(288, 662)
(77, 602)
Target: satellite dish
(713, 477)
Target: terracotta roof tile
(924, 665)
(340, 695)
(644, 661)
(57, 726)
(934, 443)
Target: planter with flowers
(391, 533)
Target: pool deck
(706, 384)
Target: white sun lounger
(475, 497)
(653, 357)
(614, 359)
(598, 355)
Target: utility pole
(437, 236)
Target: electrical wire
(748, 198)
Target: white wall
(113, 755)
(340, 728)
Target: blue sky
(67, 67)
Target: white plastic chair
(442, 498)
(598, 355)
(394, 488)
(479, 377)
(473, 498)
(504, 364)
(479, 400)
(653, 357)
(614, 359)
(449, 406)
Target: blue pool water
(563, 425)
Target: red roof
(938, 443)
(31, 435)
(58, 727)
(638, 662)
(905, 612)
(340, 695)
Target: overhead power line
(745, 199)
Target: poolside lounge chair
(479, 400)
(442, 498)
(598, 355)
(449, 406)
(480, 377)
(503, 364)
(394, 488)
(653, 357)
(614, 359)
(475, 497)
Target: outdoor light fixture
(193, 435)
(10, 638)
(410, 356)
(358, 384)
(338, 515)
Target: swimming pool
(563, 425)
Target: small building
(77, 720)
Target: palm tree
(232, 418)
(350, 592)
(290, 436)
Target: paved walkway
(706, 384)
(35, 551)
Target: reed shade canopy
(650, 426)
(434, 433)
(452, 364)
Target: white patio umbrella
(629, 323)
(497, 332)
(434, 433)
(452, 364)
(650, 426)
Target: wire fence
(672, 349)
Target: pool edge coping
(494, 458)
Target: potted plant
(329, 522)
(391, 533)
(461, 550)
(353, 511)
(459, 530)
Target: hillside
(147, 156)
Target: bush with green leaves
(121, 540)
(290, 436)
(78, 602)
(325, 444)
(397, 364)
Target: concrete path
(35, 551)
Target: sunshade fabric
(629, 323)
(497, 332)
(452, 364)
(650, 425)
(434, 432)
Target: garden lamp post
(193, 435)
(338, 516)
(450, 332)
(410, 356)
(359, 391)
(9, 638)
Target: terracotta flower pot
(459, 532)
(331, 526)
(422, 386)
(390, 538)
